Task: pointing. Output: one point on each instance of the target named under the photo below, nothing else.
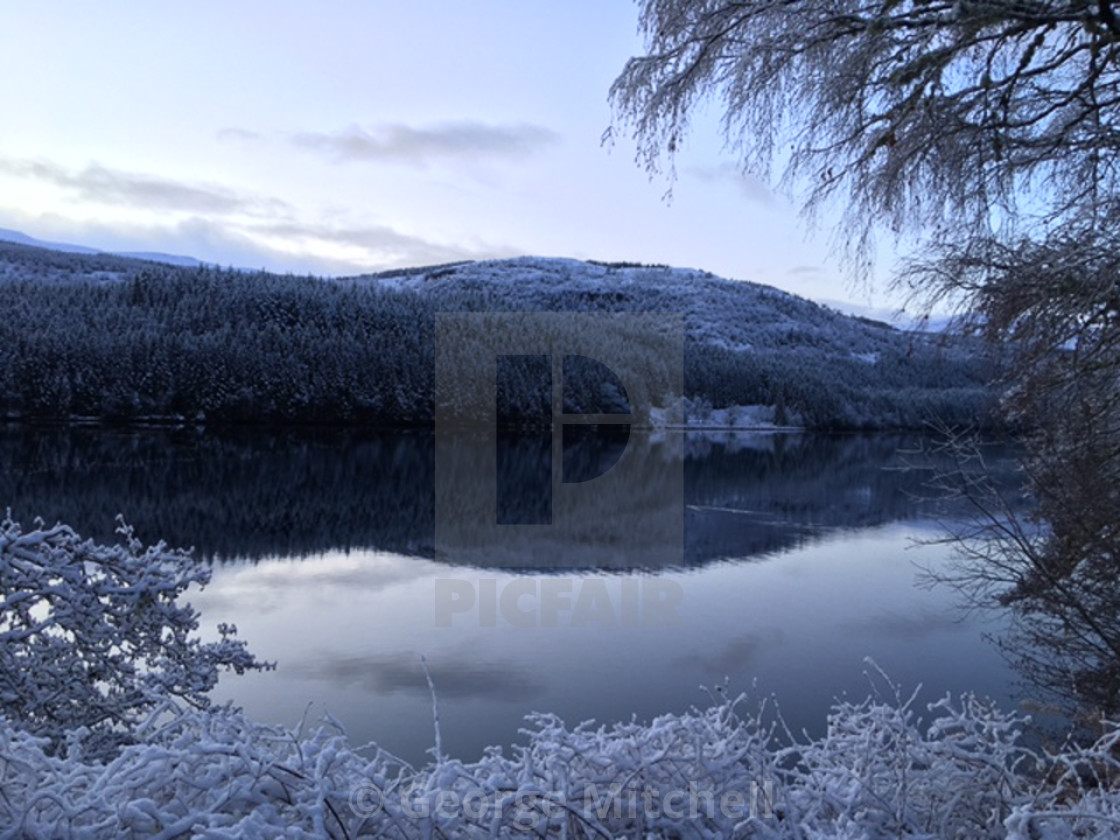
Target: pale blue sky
(340, 137)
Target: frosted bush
(715, 773)
(92, 637)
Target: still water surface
(799, 561)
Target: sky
(359, 135)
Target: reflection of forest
(253, 493)
(238, 494)
(783, 490)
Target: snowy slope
(731, 314)
(736, 315)
(774, 353)
(233, 346)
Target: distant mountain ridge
(114, 337)
(18, 238)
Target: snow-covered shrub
(878, 773)
(1081, 796)
(730, 770)
(216, 772)
(93, 636)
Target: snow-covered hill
(104, 335)
(734, 315)
(748, 344)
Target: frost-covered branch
(93, 636)
(724, 771)
(927, 117)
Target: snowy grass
(728, 770)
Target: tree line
(229, 347)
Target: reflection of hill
(255, 494)
(244, 495)
(619, 507)
(768, 493)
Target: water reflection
(252, 494)
(348, 632)
(833, 515)
(625, 510)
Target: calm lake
(798, 561)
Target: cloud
(471, 141)
(308, 246)
(104, 185)
(262, 587)
(238, 134)
(219, 225)
(750, 186)
(401, 672)
(805, 269)
(386, 246)
(250, 243)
